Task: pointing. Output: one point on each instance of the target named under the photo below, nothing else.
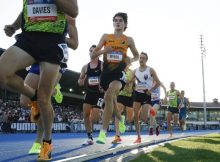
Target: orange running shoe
(35, 112)
(45, 152)
(117, 140)
(138, 140)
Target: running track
(14, 147)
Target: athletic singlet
(172, 99)
(127, 91)
(183, 104)
(144, 80)
(115, 61)
(155, 94)
(93, 77)
(42, 16)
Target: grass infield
(195, 149)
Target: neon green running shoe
(35, 149)
(102, 138)
(121, 124)
(58, 96)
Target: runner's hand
(10, 30)
(128, 60)
(81, 82)
(108, 49)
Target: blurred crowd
(12, 112)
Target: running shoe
(151, 132)
(58, 96)
(35, 112)
(88, 141)
(102, 138)
(170, 136)
(138, 140)
(157, 130)
(121, 124)
(45, 153)
(117, 140)
(35, 149)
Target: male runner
(125, 103)
(32, 80)
(155, 102)
(173, 110)
(90, 76)
(145, 76)
(113, 75)
(184, 105)
(42, 41)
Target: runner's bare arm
(132, 79)
(82, 77)
(164, 89)
(70, 7)
(98, 50)
(155, 77)
(11, 29)
(133, 49)
(72, 41)
(187, 103)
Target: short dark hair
(93, 46)
(124, 17)
(145, 54)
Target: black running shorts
(107, 78)
(125, 100)
(94, 99)
(143, 98)
(44, 47)
(173, 110)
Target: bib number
(41, 11)
(123, 77)
(93, 81)
(100, 102)
(141, 86)
(64, 48)
(114, 57)
(155, 96)
(171, 97)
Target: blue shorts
(155, 102)
(182, 116)
(35, 69)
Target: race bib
(64, 48)
(115, 57)
(141, 86)
(123, 77)
(93, 81)
(41, 10)
(100, 102)
(155, 96)
(171, 97)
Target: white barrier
(33, 127)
